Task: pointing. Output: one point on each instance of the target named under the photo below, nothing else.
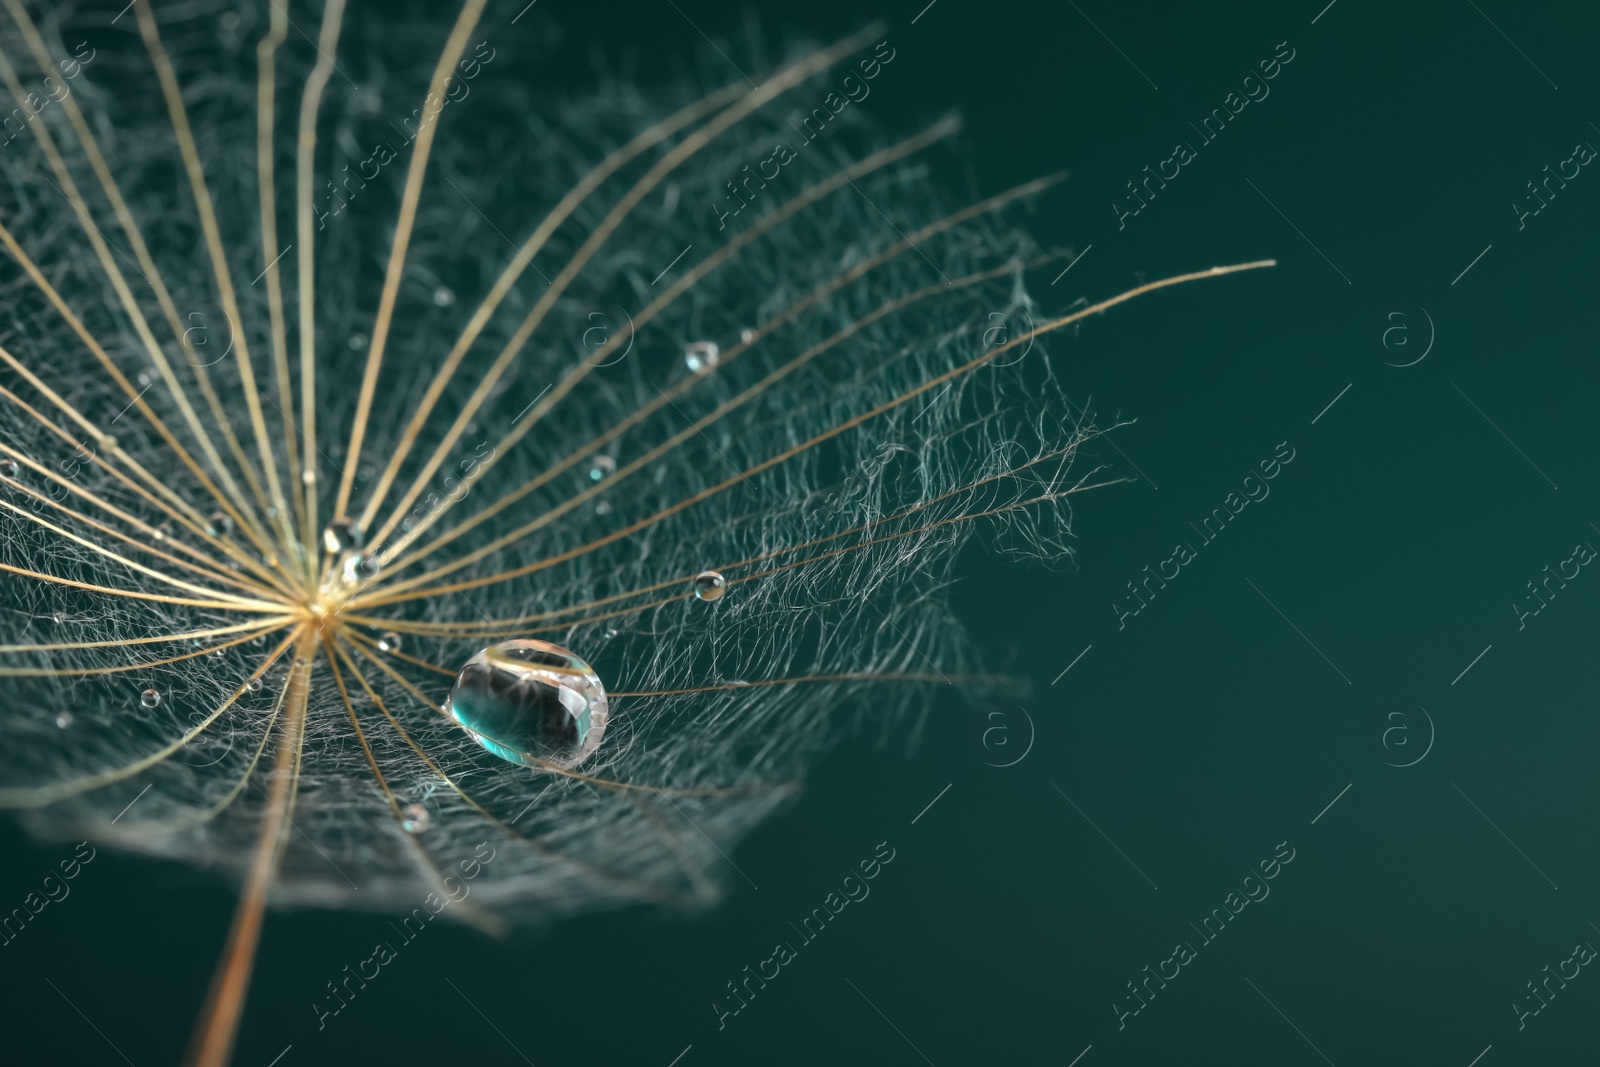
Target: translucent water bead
(531, 702)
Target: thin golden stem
(212, 1045)
(454, 46)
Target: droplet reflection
(531, 702)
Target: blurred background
(1363, 670)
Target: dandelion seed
(197, 542)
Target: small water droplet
(301, 661)
(610, 633)
(63, 720)
(219, 524)
(700, 356)
(444, 297)
(531, 702)
(358, 341)
(253, 685)
(145, 379)
(58, 617)
(747, 335)
(108, 442)
(601, 468)
(359, 568)
(162, 532)
(150, 698)
(389, 641)
(9, 468)
(218, 653)
(308, 477)
(709, 585)
(414, 818)
(341, 536)
(603, 508)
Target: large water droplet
(150, 698)
(414, 818)
(531, 702)
(219, 524)
(601, 468)
(9, 468)
(389, 641)
(709, 585)
(341, 536)
(700, 356)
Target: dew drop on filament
(150, 698)
(601, 467)
(389, 641)
(9, 468)
(414, 818)
(700, 356)
(63, 720)
(709, 585)
(341, 536)
(218, 524)
(531, 702)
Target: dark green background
(1207, 731)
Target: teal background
(1209, 729)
